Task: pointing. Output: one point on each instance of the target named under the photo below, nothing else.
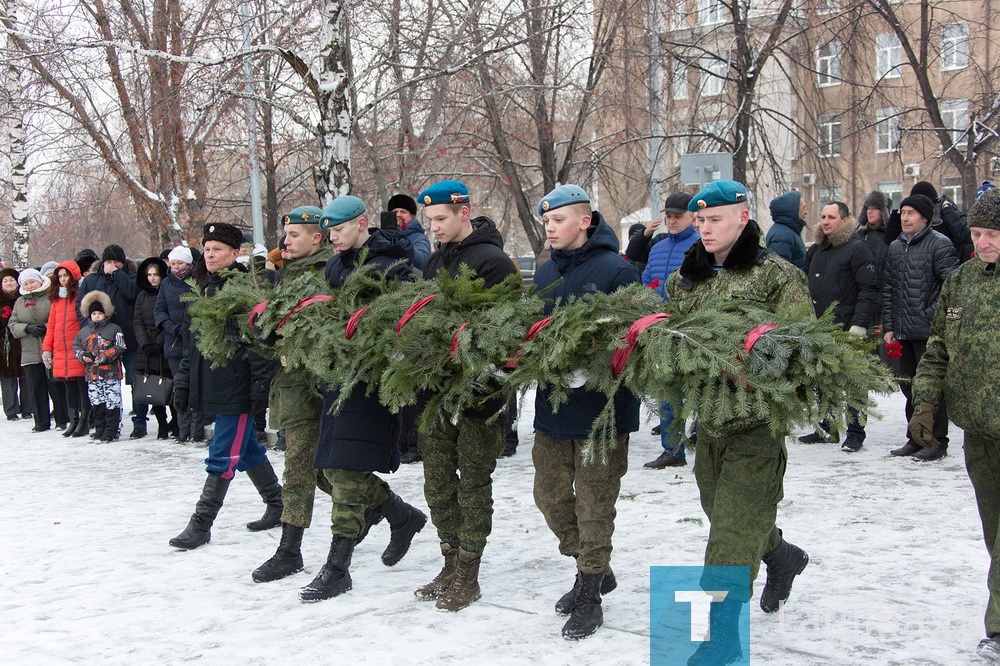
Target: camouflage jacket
(750, 274)
(295, 396)
(957, 365)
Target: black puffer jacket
(147, 334)
(841, 268)
(914, 272)
(229, 389)
(482, 251)
(948, 220)
(364, 435)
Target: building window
(887, 130)
(955, 115)
(829, 136)
(711, 139)
(828, 64)
(681, 144)
(888, 56)
(894, 191)
(713, 76)
(952, 188)
(679, 80)
(954, 45)
(827, 6)
(711, 12)
(829, 195)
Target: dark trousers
(38, 392)
(15, 396)
(60, 406)
(190, 423)
(913, 350)
(139, 409)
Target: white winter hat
(259, 250)
(181, 253)
(30, 274)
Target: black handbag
(153, 389)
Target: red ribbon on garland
(755, 334)
(412, 310)
(256, 311)
(454, 341)
(621, 355)
(318, 298)
(534, 330)
(352, 323)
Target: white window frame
(677, 15)
(829, 131)
(711, 12)
(893, 190)
(953, 192)
(713, 76)
(954, 46)
(955, 116)
(828, 6)
(708, 131)
(888, 56)
(828, 64)
(887, 134)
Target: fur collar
(699, 264)
(840, 235)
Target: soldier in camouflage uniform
(960, 366)
(363, 437)
(578, 498)
(739, 465)
(459, 458)
(295, 402)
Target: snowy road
(897, 573)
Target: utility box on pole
(703, 168)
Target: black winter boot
(83, 426)
(587, 613)
(197, 533)
(335, 577)
(784, 563)
(722, 645)
(266, 482)
(404, 521)
(372, 518)
(567, 601)
(100, 413)
(74, 423)
(112, 425)
(286, 560)
(162, 427)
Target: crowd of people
(73, 330)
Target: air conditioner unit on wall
(808, 179)
(911, 170)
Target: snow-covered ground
(897, 572)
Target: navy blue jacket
(595, 267)
(414, 233)
(121, 287)
(364, 435)
(169, 312)
(784, 238)
(666, 257)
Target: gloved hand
(232, 330)
(180, 399)
(47, 359)
(858, 331)
(922, 426)
(35, 330)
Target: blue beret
(340, 210)
(719, 193)
(563, 195)
(445, 192)
(303, 215)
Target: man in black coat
(841, 269)
(363, 437)
(227, 392)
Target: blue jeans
(671, 433)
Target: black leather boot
(197, 533)
(723, 646)
(112, 425)
(266, 482)
(162, 428)
(587, 614)
(83, 426)
(74, 423)
(404, 521)
(372, 518)
(567, 601)
(286, 560)
(784, 563)
(335, 577)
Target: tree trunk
(333, 176)
(14, 92)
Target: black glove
(35, 330)
(232, 330)
(180, 399)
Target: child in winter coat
(100, 345)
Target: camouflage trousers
(353, 492)
(459, 460)
(578, 499)
(740, 478)
(982, 460)
(300, 478)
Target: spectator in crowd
(16, 403)
(57, 349)
(784, 238)
(405, 208)
(28, 323)
(150, 359)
